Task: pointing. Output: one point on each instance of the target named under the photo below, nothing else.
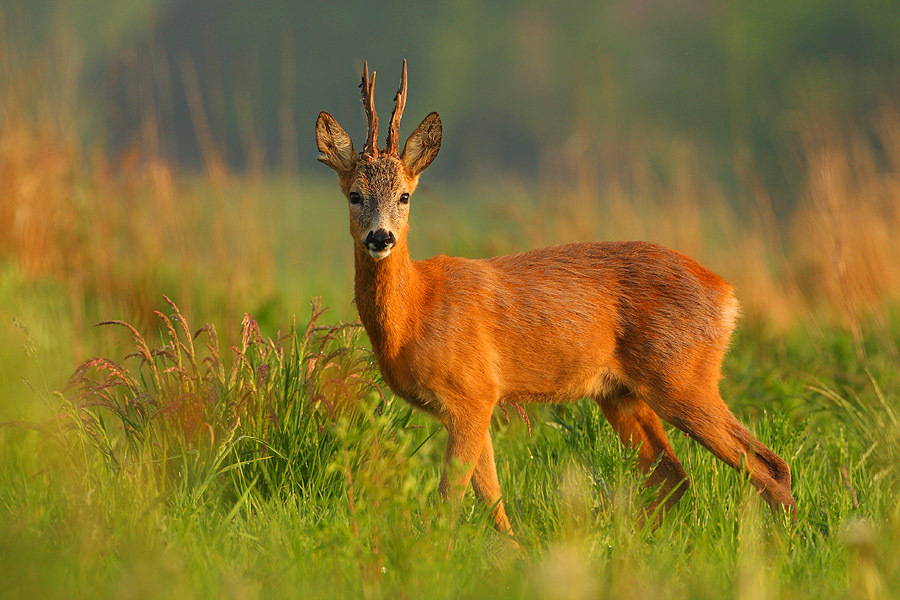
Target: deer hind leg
(638, 426)
(487, 486)
(706, 418)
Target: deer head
(378, 183)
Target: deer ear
(423, 145)
(334, 144)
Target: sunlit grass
(217, 516)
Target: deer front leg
(466, 440)
(487, 486)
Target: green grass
(276, 468)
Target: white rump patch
(731, 311)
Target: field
(224, 435)
(271, 471)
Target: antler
(393, 139)
(367, 91)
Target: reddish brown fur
(638, 327)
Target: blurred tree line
(524, 87)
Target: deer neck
(386, 292)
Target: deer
(637, 327)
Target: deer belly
(562, 382)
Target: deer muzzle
(379, 243)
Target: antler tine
(393, 140)
(367, 91)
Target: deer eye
(404, 199)
(355, 198)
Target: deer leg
(487, 486)
(708, 420)
(466, 439)
(638, 426)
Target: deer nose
(380, 240)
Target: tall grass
(116, 232)
(185, 415)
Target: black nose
(381, 239)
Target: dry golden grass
(119, 232)
(847, 252)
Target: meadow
(224, 435)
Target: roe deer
(639, 328)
